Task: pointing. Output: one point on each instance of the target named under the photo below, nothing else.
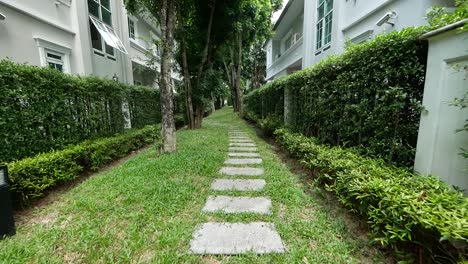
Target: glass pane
(106, 17)
(106, 4)
(321, 11)
(320, 2)
(95, 38)
(131, 28)
(93, 8)
(329, 6)
(109, 50)
(319, 34)
(59, 67)
(328, 28)
(53, 56)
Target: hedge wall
(368, 98)
(32, 177)
(42, 109)
(401, 208)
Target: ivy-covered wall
(368, 98)
(43, 109)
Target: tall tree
(252, 24)
(164, 11)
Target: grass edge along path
(146, 209)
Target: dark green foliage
(368, 98)
(400, 207)
(42, 109)
(32, 177)
(144, 105)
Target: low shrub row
(401, 207)
(369, 97)
(32, 177)
(43, 109)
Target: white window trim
(153, 46)
(109, 36)
(135, 26)
(44, 45)
(323, 46)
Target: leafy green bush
(43, 109)
(32, 177)
(399, 206)
(369, 97)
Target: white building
(84, 37)
(311, 30)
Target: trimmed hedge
(399, 206)
(32, 177)
(43, 109)
(369, 97)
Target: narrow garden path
(224, 197)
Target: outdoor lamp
(7, 223)
(115, 78)
(2, 16)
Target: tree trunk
(208, 42)
(167, 103)
(188, 87)
(239, 95)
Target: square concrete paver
(240, 141)
(241, 144)
(241, 171)
(237, 185)
(243, 154)
(242, 161)
(237, 204)
(245, 149)
(236, 238)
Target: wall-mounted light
(115, 78)
(387, 18)
(2, 16)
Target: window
(54, 60)
(101, 10)
(54, 55)
(131, 28)
(154, 44)
(324, 23)
(103, 37)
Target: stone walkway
(223, 238)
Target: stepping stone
(237, 185)
(243, 138)
(238, 134)
(244, 154)
(243, 161)
(236, 238)
(241, 171)
(242, 144)
(241, 141)
(235, 205)
(248, 149)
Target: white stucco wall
(439, 144)
(23, 24)
(352, 18)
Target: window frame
(45, 46)
(134, 21)
(105, 47)
(324, 25)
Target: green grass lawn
(146, 209)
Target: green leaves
(368, 98)
(43, 110)
(32, 177)
(400, 206)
